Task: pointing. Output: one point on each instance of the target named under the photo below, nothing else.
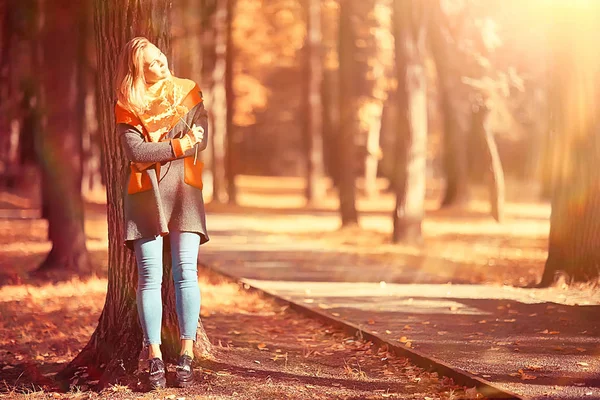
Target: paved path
(535, 343)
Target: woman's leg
(184, 250)
(148, 254)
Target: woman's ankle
(187, 348)
(154, 351)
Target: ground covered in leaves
(263, 350)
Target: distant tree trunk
(574, 245)
(220, 105)
(455, 139)
(373, 150)
(349, 106)
(480, 127)
(380, 60)
(230, 154)
(114, 347)
(314, 112)
(410, 32)
(61, 156)
(208, 45)
(7, 167)
(330, 89)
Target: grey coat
(171, 204)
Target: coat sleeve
(140, 151)
(200, 118)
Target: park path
(536, 343)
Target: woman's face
(155, 64)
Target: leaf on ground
(583, 364)
(403, 339)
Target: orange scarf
(169, 100)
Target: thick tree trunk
(410, 33)
(61, 155)
(115, 345)
(574, 245)
(219, 104)
(314, 111)
(349, 106)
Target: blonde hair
(131, 82)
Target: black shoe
(184, 371)
(157, 374)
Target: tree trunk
(455, 138)
(410, 34)
(230, 154)
(115, 345)
(219, 107)
(574, 245)
(314, 111)
(481, 122)
(61, 156)
(330, 89)
(380, 62)
(373, 150)
(349, 106)
(207, 68)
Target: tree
(450, 90)
(379, 62)
(330, 88)
(313, 130)
(349, 106)
(574, 244)
(222, 105)
(115, 345)
(60, 150)
(410, 34)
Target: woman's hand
(196, 134)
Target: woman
(162, 125)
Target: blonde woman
(162, 124)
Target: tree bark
(115, 345)
(574, 244)
(410, 35)
(61, 155)
(313, 130)
(349, 106)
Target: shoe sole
(159, 384)
(185, 384)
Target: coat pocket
(139, 181)
(192, 174)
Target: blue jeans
(149, 257)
